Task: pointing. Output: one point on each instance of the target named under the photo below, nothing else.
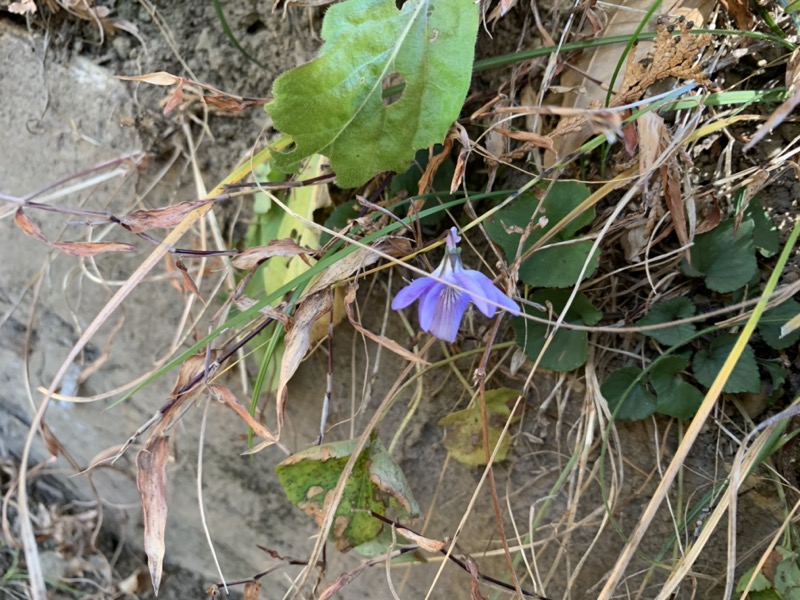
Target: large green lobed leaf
(334, 104)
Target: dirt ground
(63, 112)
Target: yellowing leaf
(464, 440)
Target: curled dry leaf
(29, 227)
(188, 282)
(296, 343)
(140, 221)
(253, 257)
(151, 479)
(22, 8)
(384, 341)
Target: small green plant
(725, 258)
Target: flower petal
(480, 289)
(429, 304)
(450, 307)
(412, 291)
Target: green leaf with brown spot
(376, 484)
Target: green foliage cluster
(387, 84)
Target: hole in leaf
(399, 4)
(393, 87)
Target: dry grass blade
(151, 479)
(29, 542)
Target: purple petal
(428, 305)
(412, 291)
(480, 289)
(443, 312)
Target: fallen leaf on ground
(151, 479)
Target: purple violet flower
(441, 306)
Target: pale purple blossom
(441, 305)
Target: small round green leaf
(556, 264)
(771, 322)
(708, 363)
(726, 258)
(569, 348)
(673, 309)
(626, 394)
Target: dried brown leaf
(151, 479)
(157, 78)
(252, 590)
(188, 282)
(253, 257)
(29, 227)
(474, 583)
(740, 11)
(427, 544)
(140, 221)
(233, 103)
(363, 257)
(296, 343)
(175, 98)
(244, 303)
(223, 395)
(85, 249)
(435, 161)
(651, 129)
(542, 141)
(387, 343)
